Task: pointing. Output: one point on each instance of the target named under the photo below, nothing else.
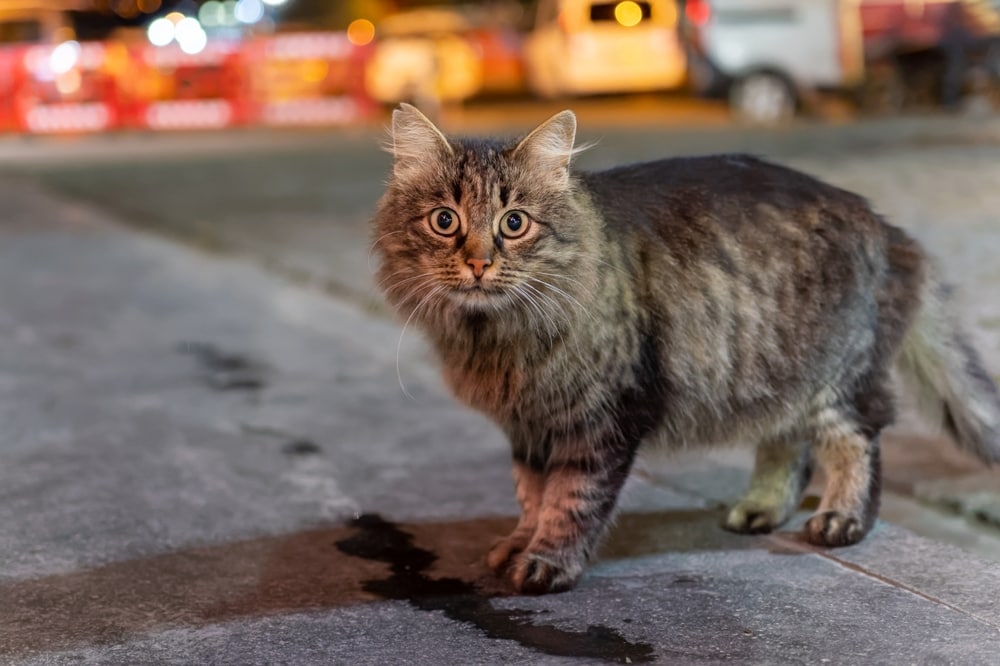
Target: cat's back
(733, 194)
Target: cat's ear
(415, 140)
(550, 145)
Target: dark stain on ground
(301, 447)
(226, 371)
(383, 541)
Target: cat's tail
(947, 376)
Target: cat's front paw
(503, 551)
(748, 517)
(833, 528)
(543, 573)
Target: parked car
(595, 46)
(768, 56)
(421, 56)
(440, 55)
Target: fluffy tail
(951, 385)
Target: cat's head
(480, 225)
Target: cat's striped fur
(680, 303)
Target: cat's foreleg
(850, 502)
(782, 469)
(579, 495)
(528, 485)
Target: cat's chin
(476, 299)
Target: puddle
(382, 541)
(226, 371)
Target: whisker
(399, 345)
(567, 296)
(560, 308)
(526, 298)
(371, 250)
(404, 281)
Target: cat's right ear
(415, 141)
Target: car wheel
(762, 98)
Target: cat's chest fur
(541, 380)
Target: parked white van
(767, 55)
(600, 46)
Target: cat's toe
(505, 549)
(538, 573)
(833, 528)
(753, 518)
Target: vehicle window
(20, 31)
(620, 12)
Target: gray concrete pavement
(205, 463)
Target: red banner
(303, 79)
(67, 88)
(170, 89)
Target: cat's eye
(444, 221)
(514, 224)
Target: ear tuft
(415, 139)
(550, 145)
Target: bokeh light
(127, 9)
(190, 35)
(361, 32)
(249, 11)
(229, 13)
(160, 32)
(212, 14)
(64, 57)
(69, 83)
(628, 13)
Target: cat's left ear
(415, 140)
(550, 145)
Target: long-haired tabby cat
(676, 303)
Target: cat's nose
(478, 265)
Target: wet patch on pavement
(382, 541)
(301, 447)
(224, 370)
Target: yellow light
(628, 13)
(314, 71)
(149, 6)
(69, 82)
(361, 32)
(127, 9)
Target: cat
(676, 303)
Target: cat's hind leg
(528, 485)
(782, 469)
(847, 449)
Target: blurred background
(70, 66)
